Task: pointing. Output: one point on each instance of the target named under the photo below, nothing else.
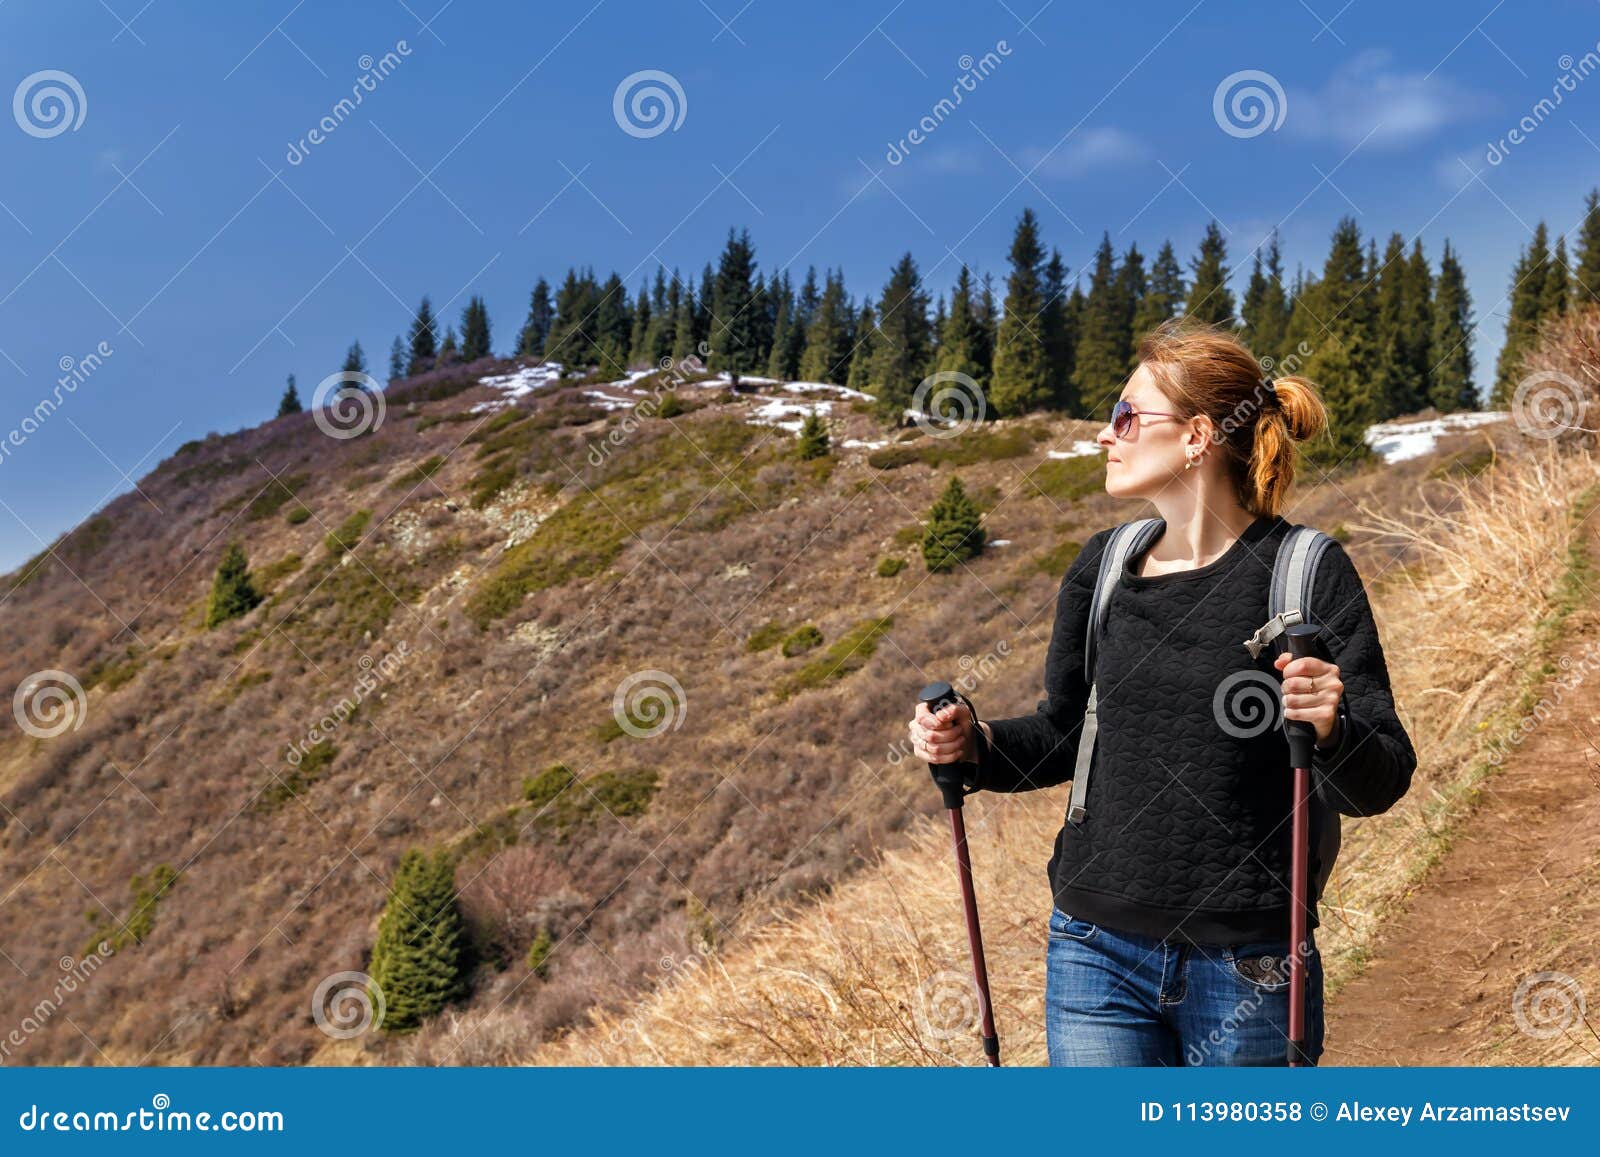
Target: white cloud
(1365, 100)
(1085, 152)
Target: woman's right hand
(945, 736)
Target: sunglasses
(1123, 415)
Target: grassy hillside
(476, 587)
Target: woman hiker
(1169, 938)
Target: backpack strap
(1294, 574)
(1128, 539)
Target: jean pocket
(1065, 927)
(1264, 967)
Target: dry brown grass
(866, 975)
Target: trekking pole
(951, 782)
(1301, 640)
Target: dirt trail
(1516, 895)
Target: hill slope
(532, 624)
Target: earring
(1193, 460)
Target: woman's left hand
(1311, 692)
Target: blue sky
(170, 224)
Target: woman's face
(1153, 452)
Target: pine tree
(778, 364)
(474, 330)
(613, 327)
(449, 349)
(704, 301)
(1554, 296)
(905, 337)
(232, 592)
(1399, 386)
(1522, 322)
(1105, 339)
(960, 338)
(570, 340)
(1132, 285)
(663, 320)
(290, 402)
(1056, 334)
(1020, 381)
(986, 312)
(1210, 299)
(683, 324)
(1342, 357)
(1163, 297)
(1452, 387)
(355, 362)
(423, 348)
(735, 347)
(397, 360)
(863, 350)
(1586, 277)
(954, 532)
(828, 348)
(639, 340)
(530, 342)
(419, 959)
(1417, 324)
(813, 437)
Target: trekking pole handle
(1301, 640)
(951, 778)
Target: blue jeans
(1116, 998)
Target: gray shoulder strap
(1294, 574)
(1128, 539)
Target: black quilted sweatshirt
(1187, 831)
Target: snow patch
(1400, 441)
(777, 411)
(517, 385)
(859, 444)
(999, 542)
(1080, 449)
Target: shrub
(847, 654)
(671, 407)
(344, 536)
(813, 437)
(801, 640)
(419, 960)
(141, 918)
(889, 567)
(954, 533)
(539, 953)
(273, 495)
(765, 636)
(1058, 559)
(298, 515)
(419, 473)
(232, 594)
